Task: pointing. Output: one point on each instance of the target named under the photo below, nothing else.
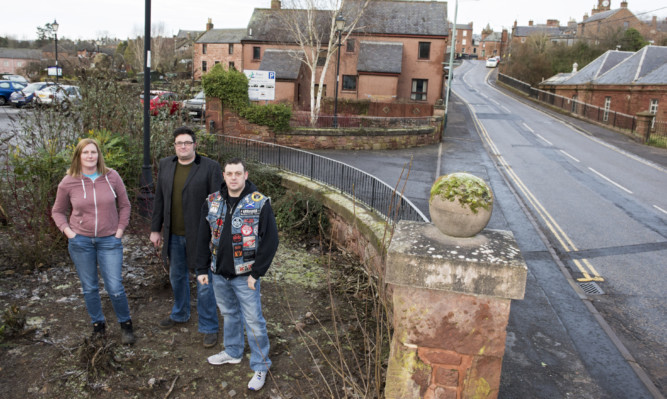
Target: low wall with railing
(352, 133)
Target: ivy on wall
(231, 87)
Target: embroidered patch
(214, 207)
(249, 205)
(237, 222)
(249, 212)
(237, 238)
(256, 197)
(246, 230)
(248, 242)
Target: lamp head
(55, 26)
(340, 22)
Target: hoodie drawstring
(84, 188)
(112, 190)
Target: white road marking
(547, 141)
(660, 209)
(610, 181)
(570, 156)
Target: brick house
(621, 81)
(606, 22)
(552, 30)
(396, 53)
(465, 44)
(15, 60)
(218, 46)
(493, 44)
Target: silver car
(62, 96)
(196, 107)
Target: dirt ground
(50, 356)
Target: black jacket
(204, 178)
(267, 237)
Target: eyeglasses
(183, 143)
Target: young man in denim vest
(237, 241)
(183, 183)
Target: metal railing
(361, 186)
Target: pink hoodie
(93, 204)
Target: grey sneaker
(222, 358)
(210, 340)
(127, 333)
(257, 381)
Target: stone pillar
(451, 304)
(643, 128)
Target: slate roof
(557, 79)
(222, 36)
(646, 66)
(550, 31)
(285, 63)
(601, 15)
(641, 67)
(188, 34)
(493, 37)
(598, 67)
(408, 18)
(380, 57)
(20, 53)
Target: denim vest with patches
(245, 222)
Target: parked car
(7, 87)
(492, 62)
(163, 100)
(62, 96)
(26, 95)
(14, 78)
(196, 106)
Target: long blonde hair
(75, 167)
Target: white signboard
(54, 71)
(261, 85)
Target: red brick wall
(217, 52)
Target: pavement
(558, 346)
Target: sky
(92, 19)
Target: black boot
(99, 329)
(126, 333)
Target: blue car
(26, 95)
(7, 87)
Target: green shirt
(177, 221)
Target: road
(590, 219)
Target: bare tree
(162, 50)
(311, 26)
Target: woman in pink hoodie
(100, 212)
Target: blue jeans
(87, 253)
(240, 306)
(179, 276)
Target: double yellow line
(585, 267)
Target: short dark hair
(185, 130)
(234, 161)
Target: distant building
(554, 32)
(621, 81)
(15, 60)
(493, 44)
(465, 44)
(605, 23)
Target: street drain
(591, 288)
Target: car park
(62, 96)
(7, 87)
(14, 78)
(492, 62)
(25, 96)
(196, 107)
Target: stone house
(493, 44)
(552, 30)
(605, 23)
(396, 53)
(620, 81)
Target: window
(626, 25)
(574, 104)
(231, 65)
(419, 89)
(424, 50)
(483, 53)
(607, 105)
(231, 48)
(653, 108)
(349, 82)
(203, 66)
(321, 58)
(463, 42)
(324, 90)
(20, 63)
(349, 45)
(203, 48)
(256, 52)
(465, 33)
(217, 62)
(523, 40)
(6, 63)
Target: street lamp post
(451, 64)
(340, 24)
(55, 27)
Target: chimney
(530, 23)
(515, 23)
(209, 25)
(624, 4)
(574, 67)
(654, 22)
(275, 4)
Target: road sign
(261, 85)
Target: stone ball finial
(460, 204)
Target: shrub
(300, 214)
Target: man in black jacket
(237, 241)
(183, 182)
